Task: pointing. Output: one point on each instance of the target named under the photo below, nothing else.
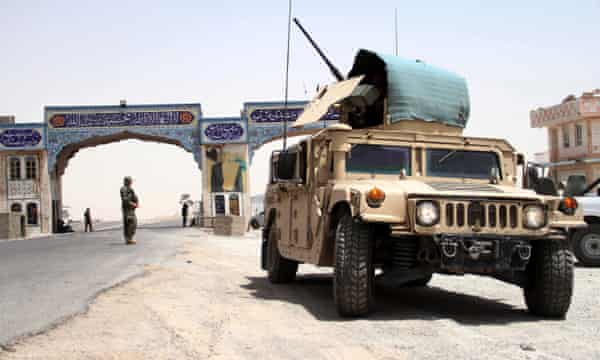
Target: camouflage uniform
(129, 203)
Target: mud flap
(264, 246)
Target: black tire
(420, 282)
(586, 246)
(354, 275)
(550, 273)
(280, 270)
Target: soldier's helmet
(127, 180)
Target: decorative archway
(70, 129)
(225, 145)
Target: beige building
(24, 180)
(573, 135)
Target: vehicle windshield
(378, 159)
(461, 164)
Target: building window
(16, 208)
(566, 137)
(31, 168)
(15, 168)
(32, 214)
(578, 134)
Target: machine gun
(334, 71)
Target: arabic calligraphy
(224, 132)
(15, 138)
(144, 118)
(275, 115)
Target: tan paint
(304, 208)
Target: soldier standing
(129, 202)
(87, 216)
(184, 212)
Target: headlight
(428, 213)
(534, 217)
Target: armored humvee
(395, 193)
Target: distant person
(87, 219)
(129, 202)
(184, 212)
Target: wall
(225, 169)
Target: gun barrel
(336, 73)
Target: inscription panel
(21, 138)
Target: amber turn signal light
(568, 205)
(375, 197)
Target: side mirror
(520, 159)
(576, 185)
(546, 186)
(286, 166)
(532, 177)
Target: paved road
(47, 279)
(211, 300)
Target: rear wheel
(280, 269)
(550, 273)
(354, 275)
(586, 245)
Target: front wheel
(550, 273)
(586, 245)
(354, 275)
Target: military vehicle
(395, 193)
(585, 242)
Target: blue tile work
(169, 123)
(266, 121)
(232, 130)
(182, 124)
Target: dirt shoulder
(212, 301)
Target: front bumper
(482, 254)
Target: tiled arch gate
(68, 129)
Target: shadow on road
(315, 293)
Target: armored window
(15, 168)
(454, 163)
(16, 208)
(378, 159)
(31, 168)
(578, 135)
(566, 137)
(32, 214)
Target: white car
(586, 241)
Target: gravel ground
(212, 301)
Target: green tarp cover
(416, 90)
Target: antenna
(396, 30)
(336, 73)
(287, 76)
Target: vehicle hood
(418, 188)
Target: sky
(516, 56)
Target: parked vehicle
(388, 193)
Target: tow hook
(524, 252)
(449, 248)
(475, 251)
